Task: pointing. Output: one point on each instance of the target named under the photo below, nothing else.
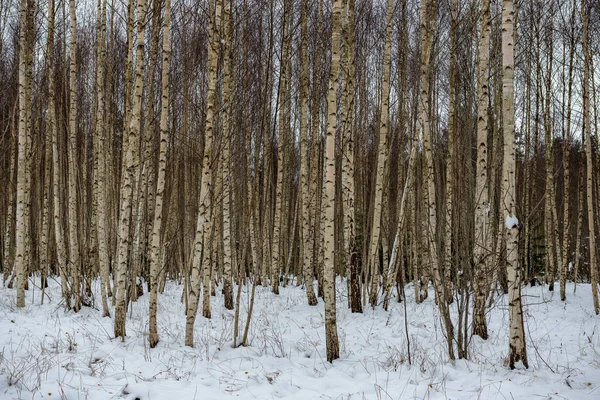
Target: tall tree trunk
(588, 155)
(304, 184)
(202, 236)
(428, 12)
(9, 234)
(348, 179)
(282, 143)
(100, 163)
(451, 158)
(155, 261)
(45, 257)
(566, 161)
(403, 214)
(518, 351)
(381, 165)
(331, 336)
(553, 252)
(74, 256)
(23, 178)
(131, 168)
(226, 156)
(59, 235)
(483, 244)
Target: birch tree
(381, 165)
(23, 178)
(74, 256)
(588, 155)
(517, 353)
(226, 156)
(130, 167)
(331, 336)
(304, 184)
(202, 235)
(482, 247)
(155, 262)
(100, 162)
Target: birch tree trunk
(483, 244)
(348, 178)
(281, 148)
(9, 234)
(45, 235)
(428, 12)
(23, 198)
(202, 236)
(131, 168)
(100, 162)
(404, 202)
(518, 351)
(451, 158)
(566, 161)
(550, 216)
(61, 246)
(381, 166)
(588, 156)
(160, 182)
(74, 256)
(331, 336)
(305, 197)
(226, 156)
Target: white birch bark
(381, 165)
(482, 247)
(155, 261)
(331, 336)
(131, 168)
(588, 156)
(517, 346)
(74, 256)
(23, 205)
(202, 236)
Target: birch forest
(374, 154)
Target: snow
(46, 353)
(511, 221)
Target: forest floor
(47, 353)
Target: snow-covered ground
(46, 353)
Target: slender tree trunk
(550, 217)
(428, 12)
(331, 336)
(579, 230)
(482, 249)
(403, 214)
(348, 178)
(451, 158)
(281, 148)
(131, 168)
(74, 256)
(45, 234)
(23, 179)
(100, 163)
(566, 161)
(588, 155)
(61, 246)
(155, 262)
(304, 185)
(201, 241)
(226, 156)
(518, 351)
(9, 234)
(381, 165)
